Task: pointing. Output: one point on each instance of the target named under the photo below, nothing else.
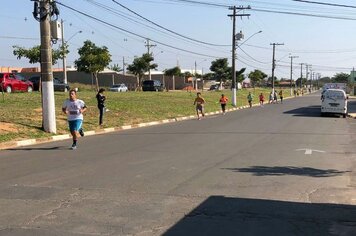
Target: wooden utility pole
(148, 45)
(301, 74)
(233, 72)
(48, 105)
(274, 62)
(291, 73)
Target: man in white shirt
(74, 109)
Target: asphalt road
(274, 170)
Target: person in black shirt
(101, 106)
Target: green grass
(21, 116)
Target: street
(280, 169)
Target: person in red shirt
(223, 102)
(262, 99)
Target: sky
(325, 43)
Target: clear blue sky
(328, 44)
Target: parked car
(152, 85)
(118, 88)
(214, 87)
(13, 82)
(58, 85)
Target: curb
(28, 142)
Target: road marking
(309, 151)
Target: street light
(64, 54)
(235, 38)
(250, 37)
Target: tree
(341, 78)
(240, 75)
(140, 66)
(175, 71)
(115, 67)
(256, 77)
(34, 54)
(304, 81)
(93, 59)
(221, 69)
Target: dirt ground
(8, 127)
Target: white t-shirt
(73, 108)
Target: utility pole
(64, 54)
(291, 73)
(149, 46)
(306, 73)
(233, 86)
(48, 105)
(274, 62)
(123, 66)
(301, 74)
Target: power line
(135, 34)
(325, 3)
(171, 31)
(304, 14)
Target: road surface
(274, 170)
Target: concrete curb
(28, 142)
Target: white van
(334, 101)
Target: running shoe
(81, 132)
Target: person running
(275, 97)
(199, 103)
(250, 98)
(262, 99)
(281, 95)
(223, 100)
(100, 97)
(74, 109)
(270, 98)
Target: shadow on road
(311, 111)
(288, 170)
(220, 215)
(38, 149)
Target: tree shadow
(219, 215)
(288, 170)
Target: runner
(74, 109)
(199, 102)
(249, 99)
(281, 95)
(262, 99)
(223, 101)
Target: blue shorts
(75, 125)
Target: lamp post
(195, 74)
(249, 38)
(64, 53)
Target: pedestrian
(270, 97)
(275, 97)
(223, 101)
(281, 95)
(249, 98)
(74, 109)
(100, 97)
(199, 103)
(295, 92)
(262, 99)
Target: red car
(11, 82)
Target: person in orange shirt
(199, 102)
(223, 100)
